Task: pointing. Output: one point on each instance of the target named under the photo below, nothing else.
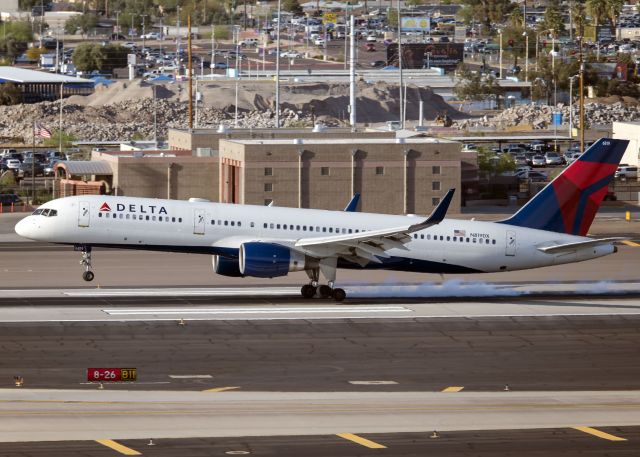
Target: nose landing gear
(86, 262)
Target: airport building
(206, 141)
(395, 176)
(38, 86)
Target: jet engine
(269, 260)
(225, 266)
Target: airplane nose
(23, 228)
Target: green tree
(491, 164)
(12, 47)
(82, 22)
(392, 18)
(490, 11)
(473, 85)
(579, 14)
(10, 94)
(552, 18)
(614, 8)
(292, 6)
(89, 57)
(598, 10)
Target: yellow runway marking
(220, 389)
(453, 389)
(600, 434)
(362, 441)
(631, 243)
(118, 447)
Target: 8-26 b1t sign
(111, 374)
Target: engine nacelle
(269, 260)
(225, 266)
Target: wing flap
(559, 248)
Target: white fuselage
(452, 246)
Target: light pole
(118, 25)
(500, 55)
(144, 36)
(538, 44)
(400, 66)
(571, 78)
(526, 59)
(278, 67)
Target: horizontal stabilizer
(559, 248)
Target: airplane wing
(559, 248)
(364, 247)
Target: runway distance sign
(112, 374)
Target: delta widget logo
(105, 207)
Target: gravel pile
(131, 119)
(540, 116)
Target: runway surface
(567, 442)
(421, 354)
(82, 415)
(518, 358)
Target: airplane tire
(324, 291)
(308, 291)
(339, 294)
(88, 276)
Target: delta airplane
(267, 242)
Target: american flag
(42, 131)
(459, 233)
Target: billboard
(423, 55)
(415, 24)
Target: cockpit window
(46, 212)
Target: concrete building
(205, 141)
(629, 131)
(393, 176)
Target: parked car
(249, 42)
(49, 169)
(469, 147)
(151, 36)
(319, 41)
(626, 172)
(538, 161)
(28, 167)
(538, 176)
(378, 63)
(554, 159)
(220, 66)
(10, 199)
(13, 165)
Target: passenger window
(422, 237)
(114, 215)
(233, 223)
(219, 222)
(350, 231)
(474, 240)
(311, 228)
(226, 223)
(330, 229)
(173, 219)
(239, 223)
(324, 229)
(179, 219)
(159, 218)
(455, 238)
(493, 241)
(448, 238)
(317, 229)
(153, 218)
(121, 216)
(128, 216)
(415, 236)
(147, 218)
(271, 225)
(278, 226)
(297, 227)
(213, 222)
(99, 214)
(252, 225)
(264, 225)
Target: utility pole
(278, 68)
(118, 25)
(143, 32)
(581, 95)
(352, 74)
(190, 76)
(178, 36)
(400, 67)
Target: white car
(319, 41)
(371, 39)
(626, 171)
(13, 164)
(151, 36)
(291, 55)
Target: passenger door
(510, 248)
(84, 214)
(199, 221)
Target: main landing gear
(328, 268)
(86, 262)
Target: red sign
(111, 374)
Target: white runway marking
(259, 311)
(190, 376)
(237, 292)
(373, 383)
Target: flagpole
(33, 168)
(60, 128)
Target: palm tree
(598, 10)
(578, 14)
(614, 9)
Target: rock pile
(131, 119)
(540, 116)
